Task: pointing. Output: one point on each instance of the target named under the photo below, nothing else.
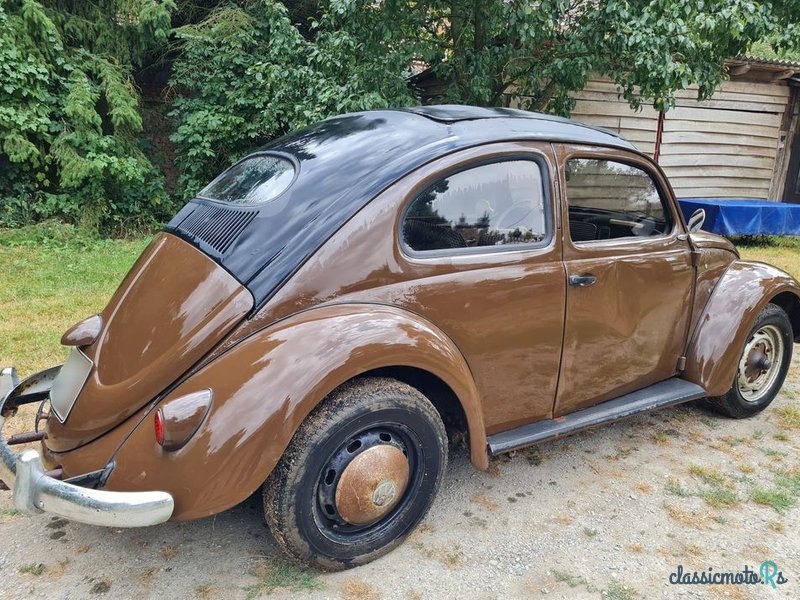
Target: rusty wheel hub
(372, 484)
(757, 362)
(365, 480)
(760, 364)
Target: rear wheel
(762, 366)
(360, 473)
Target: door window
(610, 200)
(498, 205)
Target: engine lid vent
(217, 226)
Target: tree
(490, 52)
(69, 114)
(247, 73)
(250, 71)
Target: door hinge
(696, 254)
(681, 364)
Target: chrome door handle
(582, 280)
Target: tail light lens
(158, 424)
(178, 419)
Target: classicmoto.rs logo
(768, 574)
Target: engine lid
(173, 306)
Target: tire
(756, 385)
(337, 497)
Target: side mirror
(696, 220)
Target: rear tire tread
(340, 406)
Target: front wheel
(762, 366)
(359, 474)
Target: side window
(610, 200)
(499, 204)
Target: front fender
(265, 386)
(721, 332)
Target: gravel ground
(608, 513)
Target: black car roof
(343, 162)
(453, 113)
(505, 122)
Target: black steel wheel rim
(330, 524)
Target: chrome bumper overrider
(35, 492)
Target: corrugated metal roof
(763, 60)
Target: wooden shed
(741, 143)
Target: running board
(666, 393)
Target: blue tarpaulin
(745, 217)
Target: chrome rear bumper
(35, 492)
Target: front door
(629, 273)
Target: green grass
(618, 591)
(275, 573)
(35, 569)
(783, 252)
(50, 283)
(719, 497)
(572, 580)
(589, 532)
(789, 417)
(54, 275)
(675, 488)
(772, 453)
(568, 578)
(778, 499)
(790, 481)
(785, 493)
(719, 490)
(709, 475)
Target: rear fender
(265, 386)
(730, 313)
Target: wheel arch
(721, 331)
(441, 395)
(790, 302)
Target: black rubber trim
(31, 398)
(666, 393)
(87, 480)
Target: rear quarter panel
(264, 388)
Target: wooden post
(659, 135)
(789, 126)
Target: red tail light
(158, 423)
(178, 419)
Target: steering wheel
(500, 223)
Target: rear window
(254, 180)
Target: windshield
(254, 180)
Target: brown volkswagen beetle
(320, 318)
